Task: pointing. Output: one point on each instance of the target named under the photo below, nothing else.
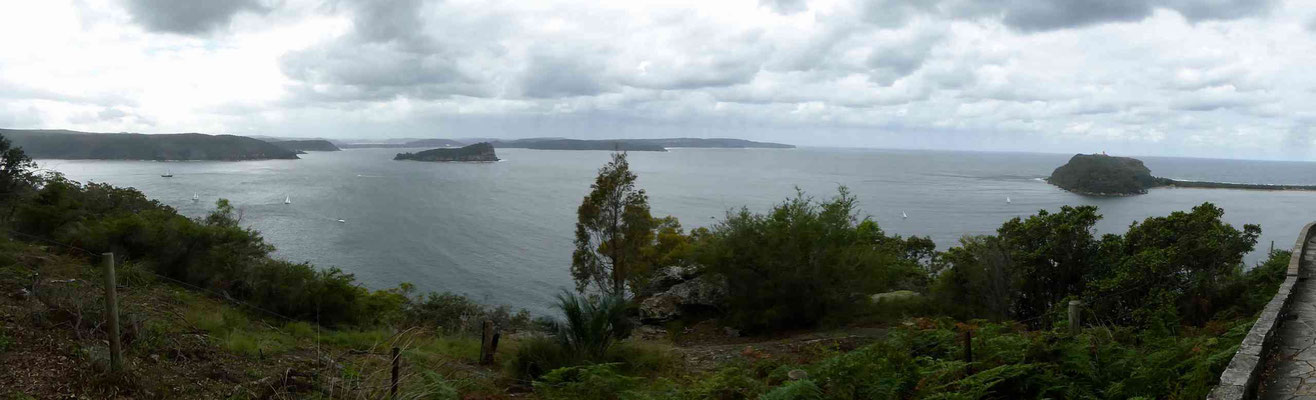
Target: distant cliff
(475, 152)
(1103, 175)
(306, 145)
(73, 145)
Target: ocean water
(501, 232)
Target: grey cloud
(893, 13)
(1212, 100)
(893, 60)
(1049, 15)
(111, 113)
(380, 21)
(189, 17)
(786, 7)
(554, 75)
(1203, 10)
(388, 54)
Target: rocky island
(479, 152)
(1103, 175)
(74, 145)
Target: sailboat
(167, 174)
(195, 198)
(903, 216)
(287, 200)
(1007, 199)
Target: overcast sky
(1213, 78)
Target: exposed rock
(701, 293)
(896, 295)
(665, 278)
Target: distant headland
(306, 145)
(74, 145)
(482, 152)
(1103, 175)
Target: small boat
(341, 221)
(1007, 199)
(287, 200)
(903, 216)
(167, 174)
(195, 198)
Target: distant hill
(306, 145)
(475, 152)
(64, 144)
(404, 144)
(573, 144)
(635, 144)
(713, 143)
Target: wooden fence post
(393, 388)
(488, 342)
(112, 313)
(968, 350)
(1075, 317)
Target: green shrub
(642, 358)
(537, 356)
(436, 387)
(594, 382)
(795, 390)
(804, 261)
(731, 383)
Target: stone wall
(1239, 381)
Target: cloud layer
(1175, 77)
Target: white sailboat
(1007, 199)
(287, 200)
(903, 216)
(195, 197)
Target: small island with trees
(479, 152)
(1104, 175)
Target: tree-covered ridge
(1100, 174)
(307, 145)
(635, 144)
(475, 152)
(61, 144)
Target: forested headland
(73, 145)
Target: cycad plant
(591, 324)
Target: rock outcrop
(679, 292)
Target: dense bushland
(805, 260)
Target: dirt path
(704, 347)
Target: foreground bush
(804, 261)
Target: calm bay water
(501, 232)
